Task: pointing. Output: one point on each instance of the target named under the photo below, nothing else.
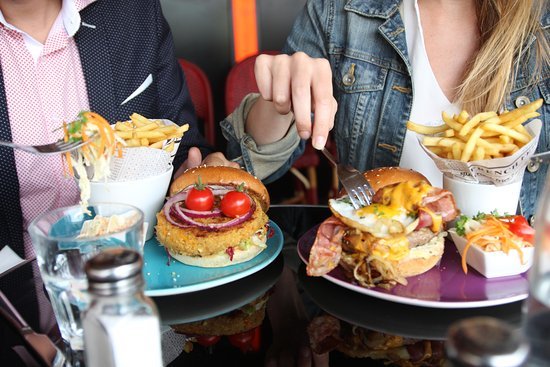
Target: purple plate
(443, 286)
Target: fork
(59, 146)
(358, 188)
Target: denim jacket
(365, 42)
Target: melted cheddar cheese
(404, 197)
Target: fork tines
(362, 194)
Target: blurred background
(215, 35)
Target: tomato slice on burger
(200, 197)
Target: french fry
(474, 121)
(437, 150)
(133, 143)
(148, 134)
(453, 124)
(170, 147)
(470, 145)
(157, 145)
(148, 127)
(463, 117)
(427, 130)
(457, 151)
(514, 114)
(139, 120)
(144, 142)
(171, 129)
(124, 134)
(121, 126)
(449, 133)
(479, 154)
(506, 131)
(520, 120)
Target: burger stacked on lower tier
(401, 234)
(215, 217)
(327, 333)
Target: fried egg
(380, 220)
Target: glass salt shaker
(536, 309)
(121, 326)
(485, 342)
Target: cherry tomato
(247, 341)
(201, 199)
(235, 203)
(519, 226)
(207, 340)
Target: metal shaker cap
(114, 270)
(485, 341)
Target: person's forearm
(265, 124)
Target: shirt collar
(70, 15)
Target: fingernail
(304, 134)
(319, 142)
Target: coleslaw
(493, 232)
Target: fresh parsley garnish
(74, 127)
(460, 225)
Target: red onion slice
(216, 212)
(180, 196)
(214, 226)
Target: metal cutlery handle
(329, 156)
(41, 347)
(541, 157)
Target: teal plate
(164, 277)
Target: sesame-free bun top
(385, 176)
(222, 175)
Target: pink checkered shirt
(44, 86)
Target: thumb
(194, 159)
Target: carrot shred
(68, 158)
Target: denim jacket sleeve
(267, 162)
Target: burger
(327, 333)
(241, 326)
(401, 234)
(214, 217)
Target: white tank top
(428, 98)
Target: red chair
(241, 81)
(201, 95)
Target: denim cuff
(260, 160)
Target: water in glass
(61, 254)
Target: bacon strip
(441, 202)
(327, 248)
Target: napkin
(9, 259)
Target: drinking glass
(61, 253)
(536, 325)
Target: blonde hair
(505, 28)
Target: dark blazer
(121, 43)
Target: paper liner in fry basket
(141, 162)
(496, 171)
